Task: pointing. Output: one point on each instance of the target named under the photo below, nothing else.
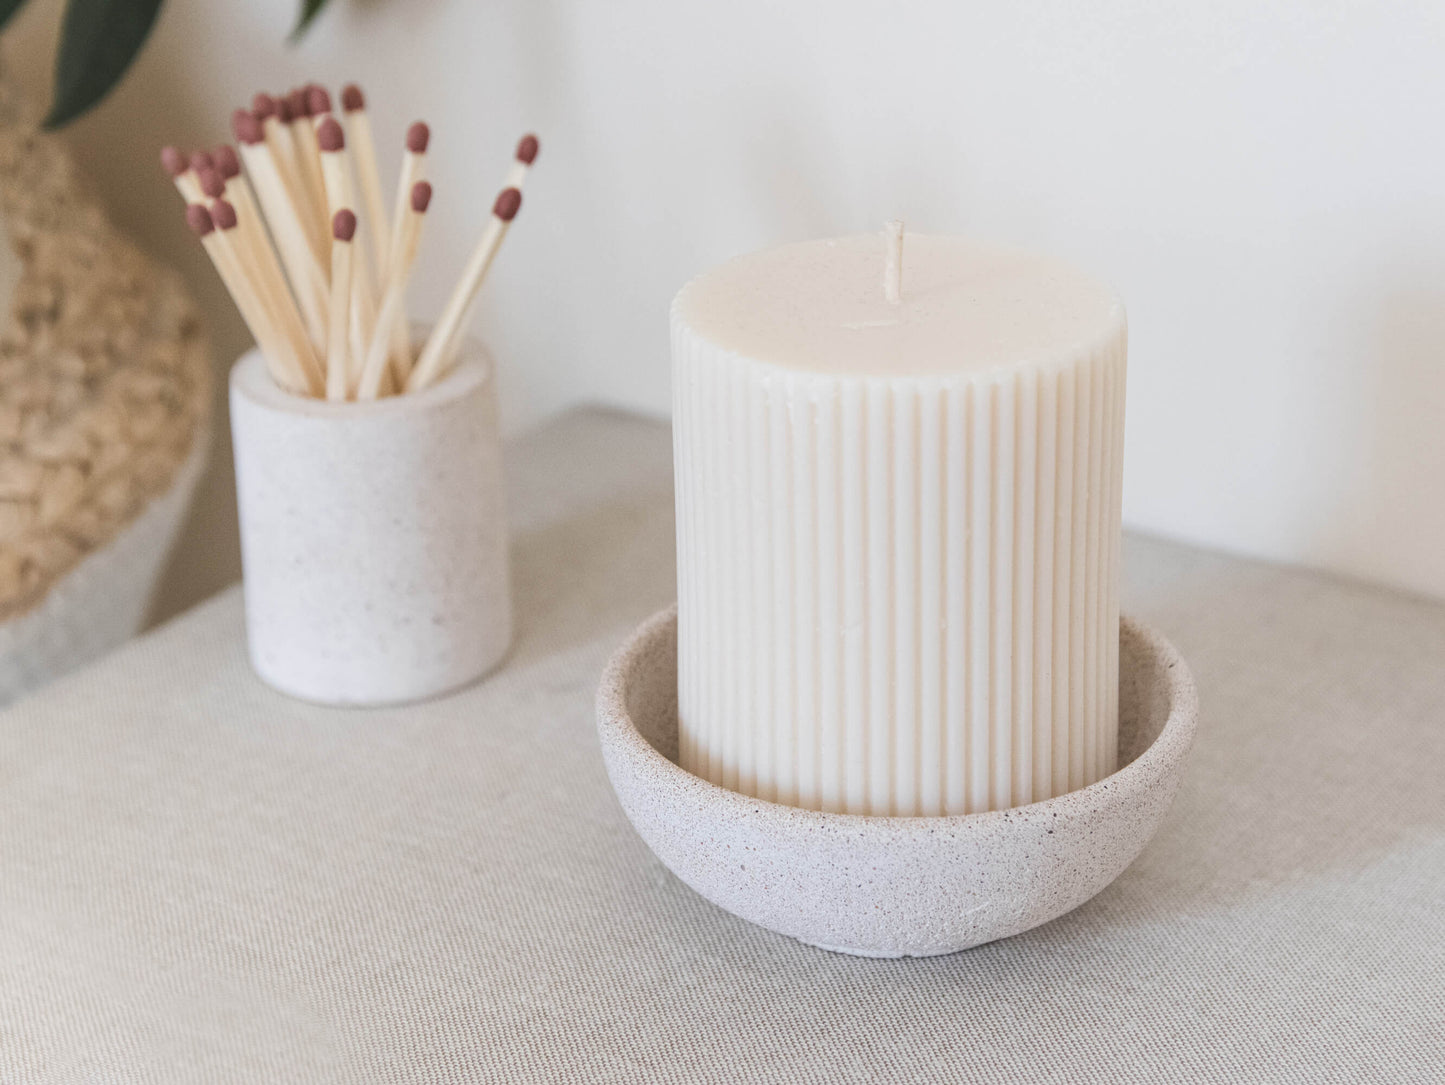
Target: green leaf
(98, 41)
(9, 8)
(309, 10)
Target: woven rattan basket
(104, 399)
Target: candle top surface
(966, 307)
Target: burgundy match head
(296, 98)
(227, 164)
(527, 149)
(351, 98)
(263, 106)
(420, 197)
(246, 128)
(509, 202)
(417, 138)
(343, 225)
(284, 113)
(329, 136)
(318, 99)
(199, 220)
(212, 183)
(202, 160)
(223, 215)
(173, 161)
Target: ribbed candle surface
(898, 526)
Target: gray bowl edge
(893, 886)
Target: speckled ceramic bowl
(893, 886)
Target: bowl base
(889, 887)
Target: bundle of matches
(316, 265)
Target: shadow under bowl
(893, 886)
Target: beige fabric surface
(202, 881)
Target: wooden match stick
(275, 119)
(290, 338)
(398, 277)
(331, 144)
(303, 131)
(526, 154)
(358, 126)
(308, 281)
(257, 257)
(343, 229)
(436, 356)
(201, 224)
(413, 170)
(178, 166)
(335, 170)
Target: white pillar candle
(898, 525)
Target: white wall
(1265, 183)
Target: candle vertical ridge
(1025, 578)
(929, 654)
(904, 526)
(1045, 532)
(1091, 588)
(732, 696)
(1063, 571)
(852, 483)
(706, 676)
(955, 726)
(806, 560)
(1078, 581)
(879, 512)
(759, 592)
(832, 729)
(684, 435)
(1116, 540)
(1002, 404)
(980, 584)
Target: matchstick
(413, 168)
(398, 276)
(358, 127)
(178, 166)
(290, 338)
(308, 153)
(201, 224)
(275, 119)
(308, 281)
(257, 257)
(343, 229)
(335, 170)
(331, 145)
(526, 154)
(436, 356)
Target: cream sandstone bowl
(893, 886)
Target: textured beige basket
(104, 393)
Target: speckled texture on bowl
(893, 886)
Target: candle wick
(893, 261)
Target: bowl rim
(621, 739)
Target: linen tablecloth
(203, 881)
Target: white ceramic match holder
(373, 536)
(893, 886)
